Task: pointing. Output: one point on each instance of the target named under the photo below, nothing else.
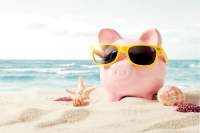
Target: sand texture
(36, 111)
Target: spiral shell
(170, 96)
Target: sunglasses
(137, 54)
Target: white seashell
(170, 96)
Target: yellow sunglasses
(137, 54)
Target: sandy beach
(36, 111)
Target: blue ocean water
(26, 74)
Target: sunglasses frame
(159, 52)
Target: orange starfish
(81, 96)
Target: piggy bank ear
(152, 36)
(108, 36)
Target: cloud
(36, 25)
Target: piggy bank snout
(121, 70)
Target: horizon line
(78, 59)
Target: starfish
(80, 96)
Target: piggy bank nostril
(115, 72)
(120, 72)
(124, 72)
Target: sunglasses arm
(163, 55)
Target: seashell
(64, 99)
(170, 96)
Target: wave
(194, 65)
(17, 78)
(73, 72)
(62, 68)
(48, 73)
(56, 70)
(31, 70)
(89, 66)
(67, 65)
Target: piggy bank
(122, 79)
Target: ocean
(61, 74)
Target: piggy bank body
(123, 79)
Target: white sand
(35, 111)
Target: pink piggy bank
(122, 78)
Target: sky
(66, 29)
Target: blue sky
(65, 29)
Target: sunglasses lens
(106, 55)
(142, 55)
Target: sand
(36, 111)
